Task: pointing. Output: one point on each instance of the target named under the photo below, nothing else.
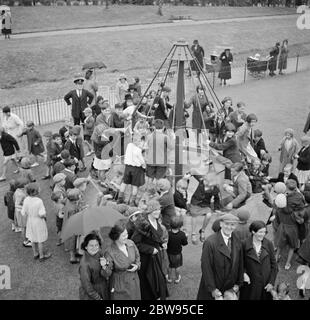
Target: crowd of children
(130, 176)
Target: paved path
(147, 26)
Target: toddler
(59, 202)
(10, 204)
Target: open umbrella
(94, 65)
(90, 219)
(5, 8)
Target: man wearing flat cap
(162, 105)
(80, 99)
(221, 261)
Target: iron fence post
(297, 63)
(244, 73)
(38, 110)
(213, 78)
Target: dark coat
(199, 104)
(274, 57)
(303, 162)
(258, 146)
(225, 70)
(76, 150)
(152, 279)
(70, 177)
(53, 151)
(161, 109)
(281, 178)
(34, 139)
(78, 103)
(283, 58)
(10, 204)
(220, 269)
(199, 54)
(261, 271)
(8, 144)
(94, 279)
(230, 149)
(179, 200)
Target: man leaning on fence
(80, 99)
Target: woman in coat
(288, 149)
(303, 161)
(199, 101)
(94, 270)
(124, 261)
(121, 88)
(260, 264)
(148, 237)
(199, 54)
(282, 65)
(272, 65)
(226, 59)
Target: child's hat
(25, 163)
(163, 184)
(59, 177)
(30, 123)
(279, 187)
(280, 201)
(243, 214)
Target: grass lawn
(41, 18)
(44, 67)
(278, 103)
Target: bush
(26, 3)
(61, 3)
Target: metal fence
(46, 112)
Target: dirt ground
(279, 103)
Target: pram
(257, 68)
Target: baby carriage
(256, 67)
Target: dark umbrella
(90, 219)
(94, 65)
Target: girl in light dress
(36, 229)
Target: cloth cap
(73, 194)
(122, 76)
(78, 78)
(243, 214)
(163, 184)
(280, 201)
(59, 177)
(128, 96)
(226, 99)
(29, 123)
(76, 130)
(79, 181)
(279, 187)
(230, 127)
(48, 134)
(229, 217)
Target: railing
(46, 112)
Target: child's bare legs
(35, 250)
(177, 275)
(89, 146)
(169, 279)
(41, 250)
(133, 197)
(289, 258)
(194, 230)
(121, 195)
(278, 254)
(205, 222)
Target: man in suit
(221, 261)
(80, 99)
(70, 174)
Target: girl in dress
(303, 161)
(36, 229)
(288, 149)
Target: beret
(59, 177)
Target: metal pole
(213, 77)
(179, 112)
(244, 72)
(297, 63)
(38, 111)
